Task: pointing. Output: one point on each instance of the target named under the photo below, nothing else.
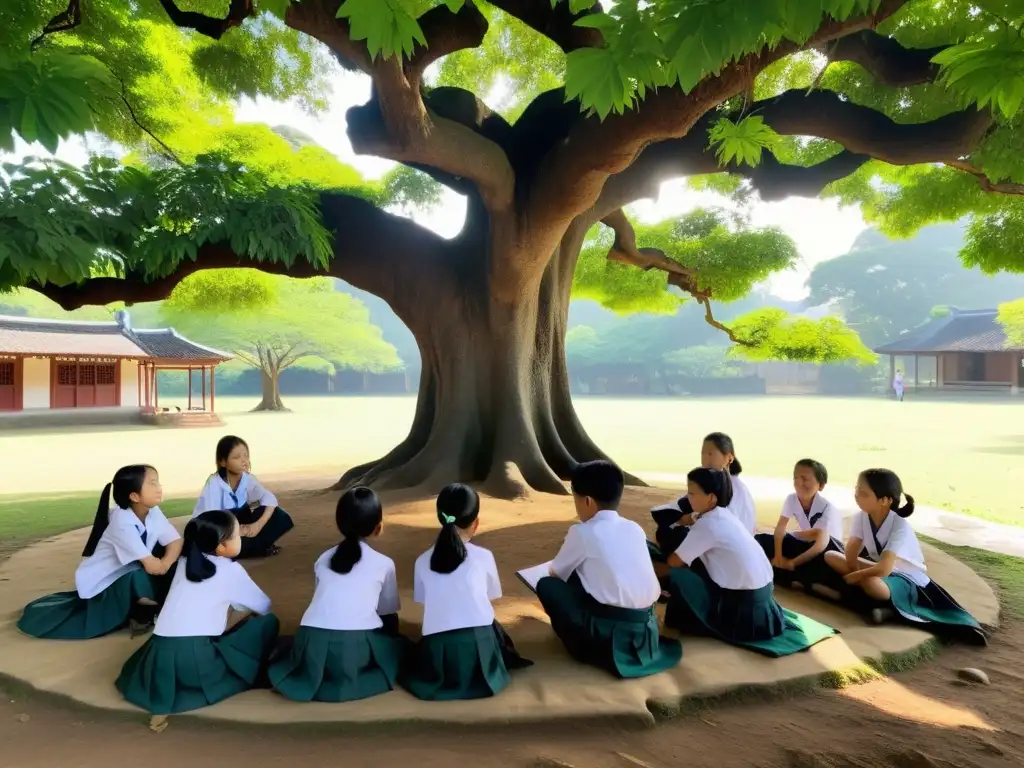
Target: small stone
(972, 675)
(22, 718)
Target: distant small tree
(273, 323)
(702, 362)
(1011, 317)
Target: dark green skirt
(66, 616)
(747, 618)
(470, 663)
(622, 641)
(814, 571)
(338, 665)
(933, 609)
(168, 675)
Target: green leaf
(385, 25)
(743, 141)
(987, 73)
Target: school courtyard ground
(958, 456)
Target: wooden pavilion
(61, 367)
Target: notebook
(530, 576)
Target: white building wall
(36, 382)
(129, 384)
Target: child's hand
(246, 531)
(853, 577)
(786, 564)
(688, 519)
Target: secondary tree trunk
(494, 407)
(271, 400)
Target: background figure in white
(897, 385)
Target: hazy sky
(821, 229)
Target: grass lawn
(962, 456)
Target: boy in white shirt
(602, 590)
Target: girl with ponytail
(675, 518)
(883, 570)
(456, 581)
(192, 659)
(128, 561)
(347, 646)
(730, 595)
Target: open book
(530, 576)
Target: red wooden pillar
(213, 373)
(138, 382)
(204, 387)
(156, 390)
(190, 387)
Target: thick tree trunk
(271, 393)
(494, 407)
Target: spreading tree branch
(555, 23)
(574, 175)
(387, 255)
(209, 26)
(999, 187)
(891, 63)
(625, 251)
(64, 21)
(445, 33)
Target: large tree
(272, 323)
(599, 109)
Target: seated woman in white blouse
(883, 567)
(464, 653)
(234, 488)
(675, 519)
(602, 590)
(347, 646)
(192, 660)
(732, 597)
(128, 563)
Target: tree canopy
(908, 108)
(1011, 317)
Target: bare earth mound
(520, 534)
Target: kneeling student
(464, 652)
(733, 599)
(883, 566)
(347, 646)
(602, 590)
(191, 661)
(799, 556)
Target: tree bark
(494, 407)
(271, 392)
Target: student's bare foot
(881, 615)
(138, 628)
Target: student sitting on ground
(884, 568)
(602, 590)
(733, 598)
(674, 520)
(190, 661)
(798, 557)
(129, 561)
(464, 653)
(233, 488)
(347, 646)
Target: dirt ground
(919, 719)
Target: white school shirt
(353, 600)
(733, 557)
(610, 555)
(742, 504)
(823, 515)
(121, 547)
(200, 608)
(896, 536)
(458, 599)
(217, 494)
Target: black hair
(820, 473)
(885, 484)
(127, 480)
(203, 534)
(458, 507)
(723, 442)
(225, 446)
(357, 516)
(601, 480)
(716, 481)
